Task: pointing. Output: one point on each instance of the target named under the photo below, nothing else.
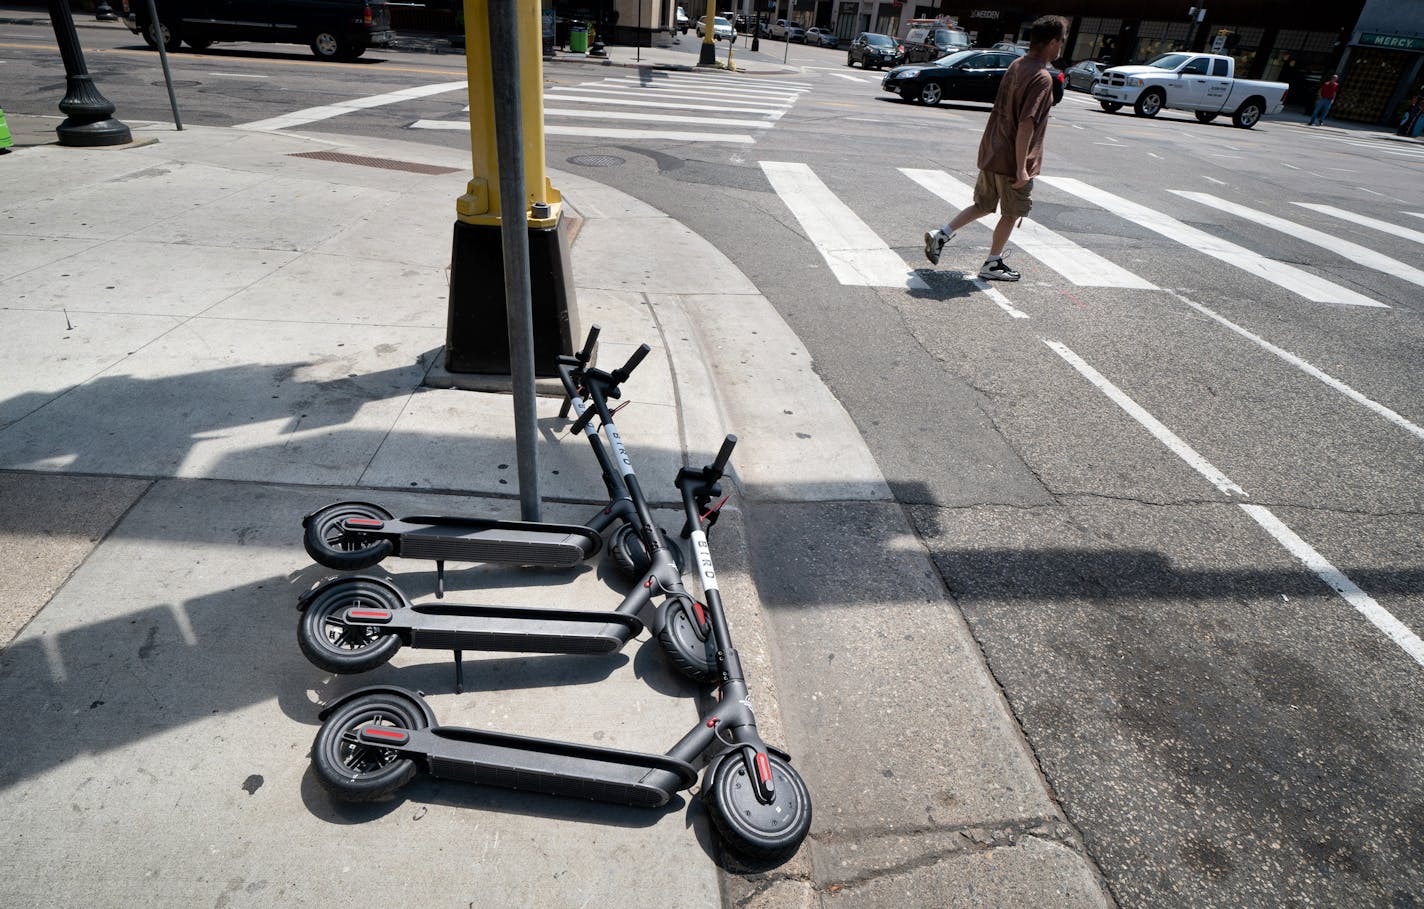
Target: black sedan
(872, 49)
(970, 75)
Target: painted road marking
(855, 254)
(551, 129)
(659, 118)
(1081, 266)
(1361, 254)
(1333, 577)
(592, 87)
(1370, 222)
(1164, 435)
(619, 102)
(680, 85)
(327, 111)
(1378, 616)
(1296, 280)
(1309, 369)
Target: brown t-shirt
(1025, 94)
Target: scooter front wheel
(335, 646)
(749, 827)
(631, 556)
(330, 544)
(354, 771)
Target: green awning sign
(1396, 42)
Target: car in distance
(682, 22)
(787, 30)
(821, 37)
(721, 29)
(970, 75)
(334, 29)
(873, 49)
(1081, 76)
(924, 43)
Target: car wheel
(1111, 107)
(1248, 114)
(1204, 116)
(930, 93)
(171, 41)
(1149, 103)
(850, 61)
(327, 46)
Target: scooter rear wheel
(748, 826)
(631, 556)
(333, 645)
(686, 638)
(328, 543)
(354, 771)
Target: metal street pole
(509, 143)
(89, 115)
(638, 36)
(163, 61)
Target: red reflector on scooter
(365, 523)
(369, 615)
(763, 767)
(381, 736)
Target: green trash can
(578, 39)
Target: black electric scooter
(372, 741)
(355, 624)
(349, 536)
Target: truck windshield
(1170, 61)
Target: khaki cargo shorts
(992, 190)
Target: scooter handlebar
(621, 374)
(714, 471)
(585, 355)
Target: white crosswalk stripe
(1361, 254)
(855, 253)
(858, 256)
(1079, 265)
(600, 109)
(1385, 226)
(1298, 281)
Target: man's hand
(1021, 180)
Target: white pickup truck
(1203, 83)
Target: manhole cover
(177, 83)
(597, 160)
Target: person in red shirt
(1328, 88)
(1011, 150)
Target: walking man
(1328, 89)
(1011, 150)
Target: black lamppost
(90, 120)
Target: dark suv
(334, 29)
(871, 49)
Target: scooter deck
(507, 629)
(543, 765)
(482, 540)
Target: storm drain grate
(597, 160)
(409, 167)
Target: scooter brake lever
(759, 770)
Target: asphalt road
(1139, 497)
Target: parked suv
(334, 29)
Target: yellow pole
(481, 202)
(708, 54)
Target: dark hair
(1046, 29)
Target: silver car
(1081, 76)
(822, 37)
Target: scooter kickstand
(440, 579)
(459, 672)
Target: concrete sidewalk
(211, 332)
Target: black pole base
(93, 135)
(708, 56)
(477, 326)
(89, 119)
